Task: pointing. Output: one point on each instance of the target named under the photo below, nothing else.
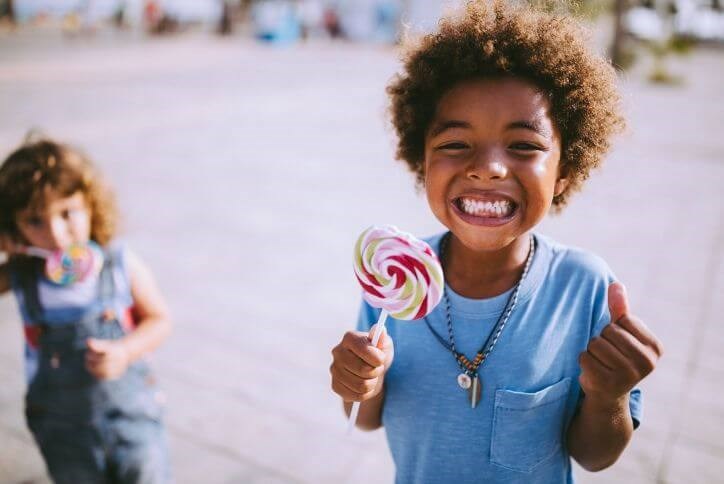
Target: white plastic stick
(379, 329)
(36, 252)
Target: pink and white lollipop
(399, 274)
(75, 263)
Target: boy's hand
(106, 359)
(624, 353)
(358, 368)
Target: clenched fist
(624, 353)
(358, 368)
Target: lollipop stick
(36, 252)
(379, 329)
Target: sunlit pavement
(245, 172)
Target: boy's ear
(560, 187)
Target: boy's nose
(487, 166)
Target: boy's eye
(454, 146)
(524, 146)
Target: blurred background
(248, 144)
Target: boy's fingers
(610, 356)
(353, 382)
(617, 301)
(592, 365)
(641, 332)
(385, 343)
(359, 344)
(361, 369)
(349, 395)
(642, 357)
(593, 372)
(344, 358)
(383, 340)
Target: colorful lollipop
(75, 263)
(399, 274)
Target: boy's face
(492, 157)
(62, 221)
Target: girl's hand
(106, 359)
(358, 368)
(624, 353)
(8, 244)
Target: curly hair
(497, 39)
(39, 165)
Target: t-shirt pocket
(528, 427)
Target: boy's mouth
(492, 209)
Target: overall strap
(25, 273)
(106, 281)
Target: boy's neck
(480, 275)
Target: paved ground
(245, 173)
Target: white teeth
(499, 208)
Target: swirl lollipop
(73, 264)
(399, 274)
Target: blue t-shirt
(530, 388)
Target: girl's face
(492, 161)
(61, 222)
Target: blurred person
(331, 23)
(533, 356)
(119, 15)
(7, 12)
(311, 17)
(225, 26)
(91, 403)
(152, 15)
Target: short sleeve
(367, 316)
(636, 406)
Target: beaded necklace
(469, 379)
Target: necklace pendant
(464, 381)
(474, 391)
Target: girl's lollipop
(75, 263)
(399, 274)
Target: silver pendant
(474, 391)
(464, 381)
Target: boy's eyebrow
(441, 126)
(534, 124)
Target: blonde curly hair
(39, 165)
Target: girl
(91, 403)
(533, 355)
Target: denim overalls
(90, 430)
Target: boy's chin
(484, 240)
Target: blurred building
(184, 10)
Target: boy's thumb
(617, 301)
(378, 340)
